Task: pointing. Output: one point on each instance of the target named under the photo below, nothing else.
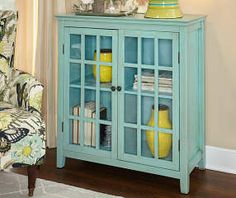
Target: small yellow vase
(105, 71)
(165, 140)
(167, 9)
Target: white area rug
(15, 186)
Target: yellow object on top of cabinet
(165, 9)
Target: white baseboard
(219, 159)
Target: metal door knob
(119, 88)
(113, 88)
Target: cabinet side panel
(193, 91)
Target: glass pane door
(149, 102)
(91, 66)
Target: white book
(165, 86)
(165, 90)
(144, 84)
(76, 125)
(144, 88)
(166, 79)
(151, 88)
(91, 114)
(152, 75)
(161, 81)
(89, 108)
(152, 84)
(94, 130)
(89, 105)
(145, 79)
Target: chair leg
(32, 175)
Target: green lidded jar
(168, 9)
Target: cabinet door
(90, 103)
(149, 100)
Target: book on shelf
(161, 89)
(107, 137)
(76, 125)
(93, 131)
(151, 79)
(88, 112)
(103, 115)
(90, 127)
(165, 82)
(151, 87)
(148, 82)
(160, 81)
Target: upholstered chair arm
(24, 91)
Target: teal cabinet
(131, 93)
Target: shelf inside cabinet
(149, 93)
(91, 84)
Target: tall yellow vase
(105, 71)
(165, 140)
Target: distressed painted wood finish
(186, 37)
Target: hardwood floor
(127, 183)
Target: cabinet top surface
(131, 19)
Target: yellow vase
(105, 71)
(168, 9)
(165, 140)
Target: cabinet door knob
(113, 88)
(119, 88)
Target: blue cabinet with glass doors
(131, 93)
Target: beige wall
(220, 68)
(24, 57)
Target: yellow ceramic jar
(168, 9)
(165, 140)
(105, 71)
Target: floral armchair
(22, 130)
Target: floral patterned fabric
(22, 129)
(22, 136)
(23, 90)
(8, 21)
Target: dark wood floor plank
(132, 184)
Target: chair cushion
(22, 136)
(2, 84)
(8, 20)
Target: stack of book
(106, 137)
(89, 127)
(148, 82)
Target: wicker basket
(98, 6)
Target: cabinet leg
(184, 184)
(202, 163)
(60, 161)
